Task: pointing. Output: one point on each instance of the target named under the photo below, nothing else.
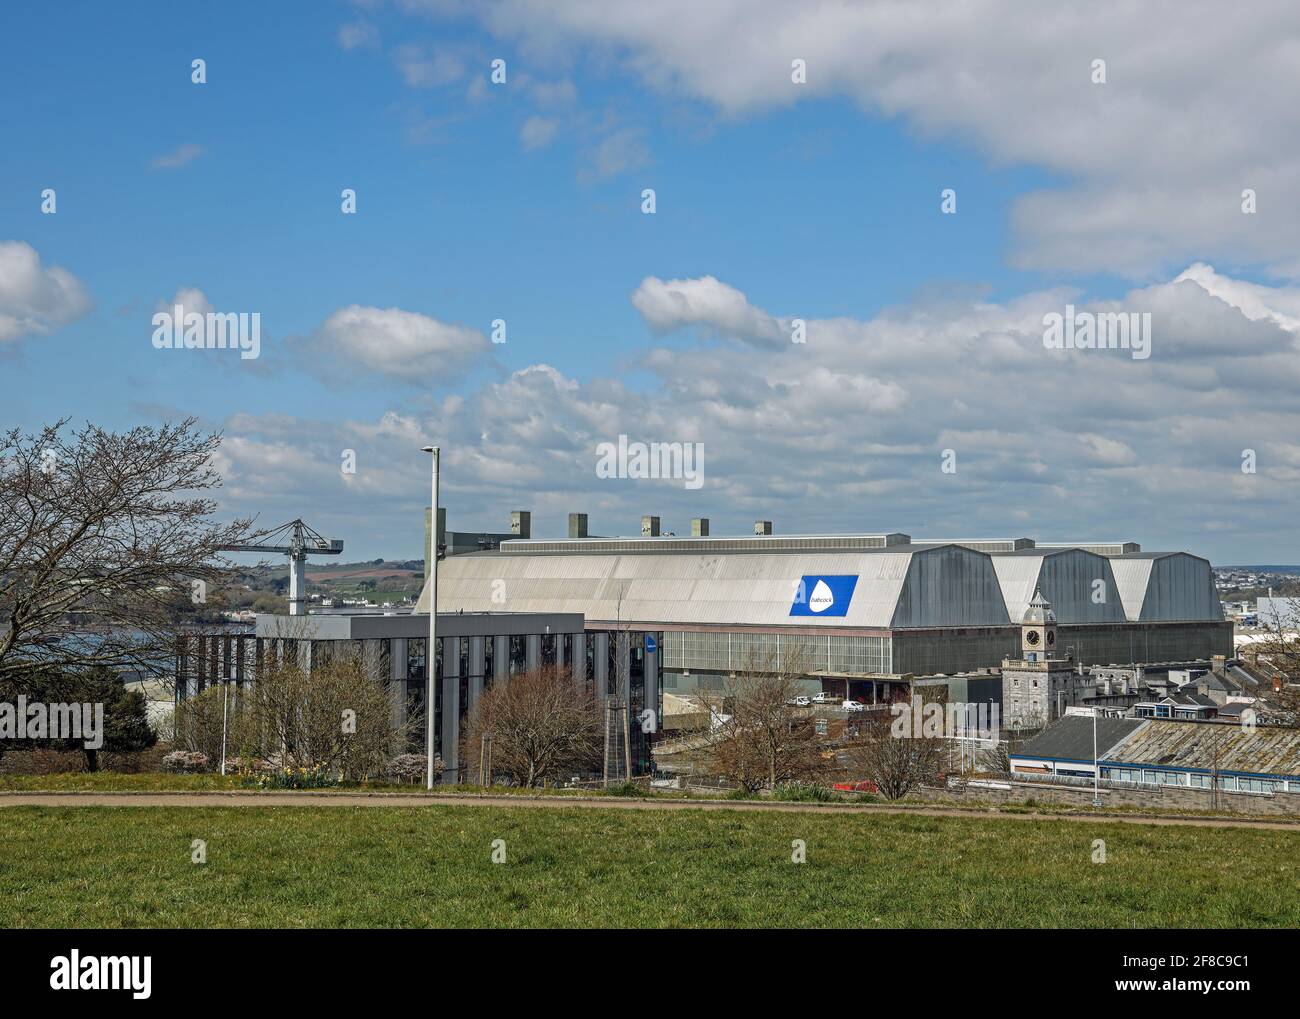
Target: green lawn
(116, 781)
(344, 866)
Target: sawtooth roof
(751, 581)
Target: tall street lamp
(430, 653)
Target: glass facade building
(474, 651)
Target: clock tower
(1038, 686)
(1038, 629)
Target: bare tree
(542, 725)
(1276, 654)
(101, 535)
(335, 718)
(758, 736)
(896, 763)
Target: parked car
(800, 702)
(823, 698)
(853, 706)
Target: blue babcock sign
(823, 595)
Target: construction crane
(302, 541)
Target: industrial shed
(859, 606)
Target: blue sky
(521, 201)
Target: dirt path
(308, 799)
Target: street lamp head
(428, 449)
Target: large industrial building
(475, 650)
(860, 615)
(866, 611)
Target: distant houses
(1155, 751)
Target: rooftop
(1196, 746)
(1267, 750)
(1070, 739)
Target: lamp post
(223, 725)
(430, 653)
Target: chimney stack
(521, 524)
(762, 527)
(577, 525)
(700, 527)
(1218, 664)
(649, 527)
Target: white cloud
(709, 303)
(550, 94)
(401, 345)
(182, 156)
(356, 34)
(421, 68)
(192, 300)
(1256, 302)
(36, 299)
(1107, 452)
(1152, 163)
(617, 152)
(847, 431)
(538, 132)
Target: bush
(804, 792)
(412, 768)
(185, 762)
(337, 718)
(626, 789)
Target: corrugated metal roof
(1070, 739)
(1131, 577)
(1100, 547)
(1079, 584)
(1265, 751)
(982, 544)
(704, 589)
(696, 545)
(751, 581)
(1166, 587)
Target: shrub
(412, 768)
(337, 718)
(625, 789)
(185, 762)
(804, 792)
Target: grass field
(146, 782)
(293, 866)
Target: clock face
(1031, 638)
(1051, 638)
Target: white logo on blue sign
(823, 595)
